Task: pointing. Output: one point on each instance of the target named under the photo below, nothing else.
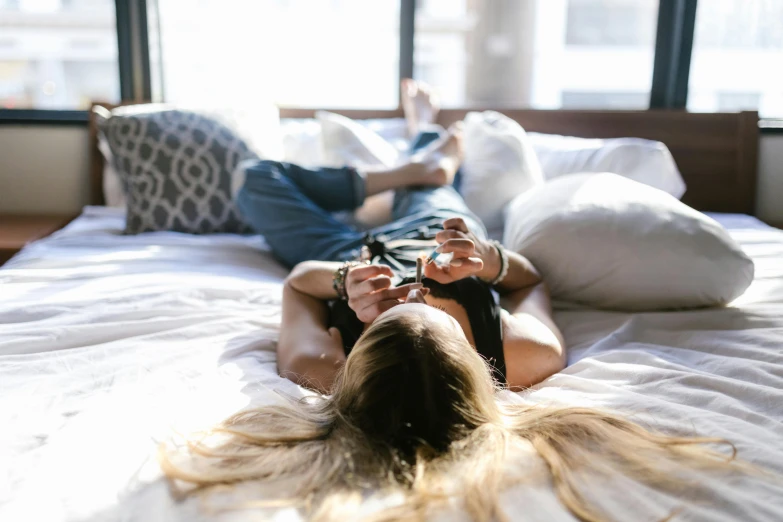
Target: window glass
(297, 53)
(57, 54)
(545, 54)
(737, 61)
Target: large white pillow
(610, 242)
(499, 164)
(645, 161)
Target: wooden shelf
(18, 230)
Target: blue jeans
(292, 207)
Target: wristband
(338, 279)
(503, 263)
(340, 275)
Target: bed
(109, 342)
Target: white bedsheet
(108, 342)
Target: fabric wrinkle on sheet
(107, 342)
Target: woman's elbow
(315, 369)
(534, 363)
(296, 274)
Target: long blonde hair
(411, 407)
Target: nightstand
(18, 230)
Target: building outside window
(546, 54)
(737, 61)
(57, 54)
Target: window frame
(669, 89)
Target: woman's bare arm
(533, 346)
(308, 352)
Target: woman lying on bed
(412, 369)
(292, 207)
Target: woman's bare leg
(435, 165)
(420, 103)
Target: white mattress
(108, 342)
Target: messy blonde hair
(413, 413)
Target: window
(57, 54)
(537, 53)
(737, 61)
(301, 53)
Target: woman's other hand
(472, 256)
(370, 292)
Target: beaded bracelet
(338, 279)
(503, 263)
(340, 276)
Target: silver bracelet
(503, 263)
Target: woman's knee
(263, 170)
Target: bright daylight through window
(57, 54)
(737, 61)
(302, 53)
(544, 54)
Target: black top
(474, 295)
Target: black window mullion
(144, 51)
(124, 54)
(133, 50)
(407, 22)
(673, 49)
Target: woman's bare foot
(440, 160)
(420, 104)
(436, 164)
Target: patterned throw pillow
(175, 167)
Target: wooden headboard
(715, 152)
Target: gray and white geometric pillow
(176, 168)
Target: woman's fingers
(456, 223)
(362, 272)
(370, 285)
(380, 275)
(455, 270)
(459, 247)
(444, 235)
(362, 301)
(371, 312)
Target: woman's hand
(370, 292)
(472, 256)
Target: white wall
(46, 170)
(43, 169)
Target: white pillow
(610, 242)
(346, 142)
(499, 164)
(302, 138)
(302, 142)
(645, 161)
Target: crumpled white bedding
(107, 342)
